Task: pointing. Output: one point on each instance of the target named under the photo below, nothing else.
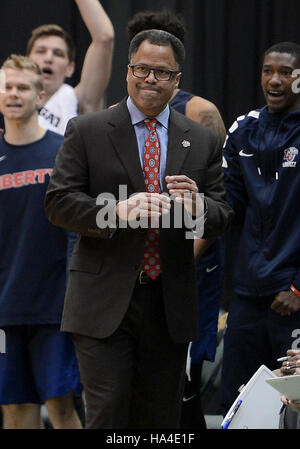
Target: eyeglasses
(143, 71)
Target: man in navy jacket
(261, 162)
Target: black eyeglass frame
(153, 69)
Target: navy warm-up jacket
(261, 164)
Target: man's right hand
(286, 303)
(143, 204)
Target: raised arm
(96, 68)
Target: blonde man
(52, 48)
(39, 365)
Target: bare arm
(206, 113)
(200, 246)
(96, 68)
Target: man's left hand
(186, 192)
(286, 303)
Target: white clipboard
(287, 385)
(257, 406)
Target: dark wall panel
(225, 41)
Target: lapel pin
(186, 143)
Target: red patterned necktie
(151, 259)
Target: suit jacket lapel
(124, 142)
(177, 152)
(123, 139)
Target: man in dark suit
(131, 302)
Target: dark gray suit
(99, 154)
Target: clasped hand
(152, 205)
(143, 204)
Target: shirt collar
(138, 116)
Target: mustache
(149, 87)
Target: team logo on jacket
(289, 157)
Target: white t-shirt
(59, 109)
